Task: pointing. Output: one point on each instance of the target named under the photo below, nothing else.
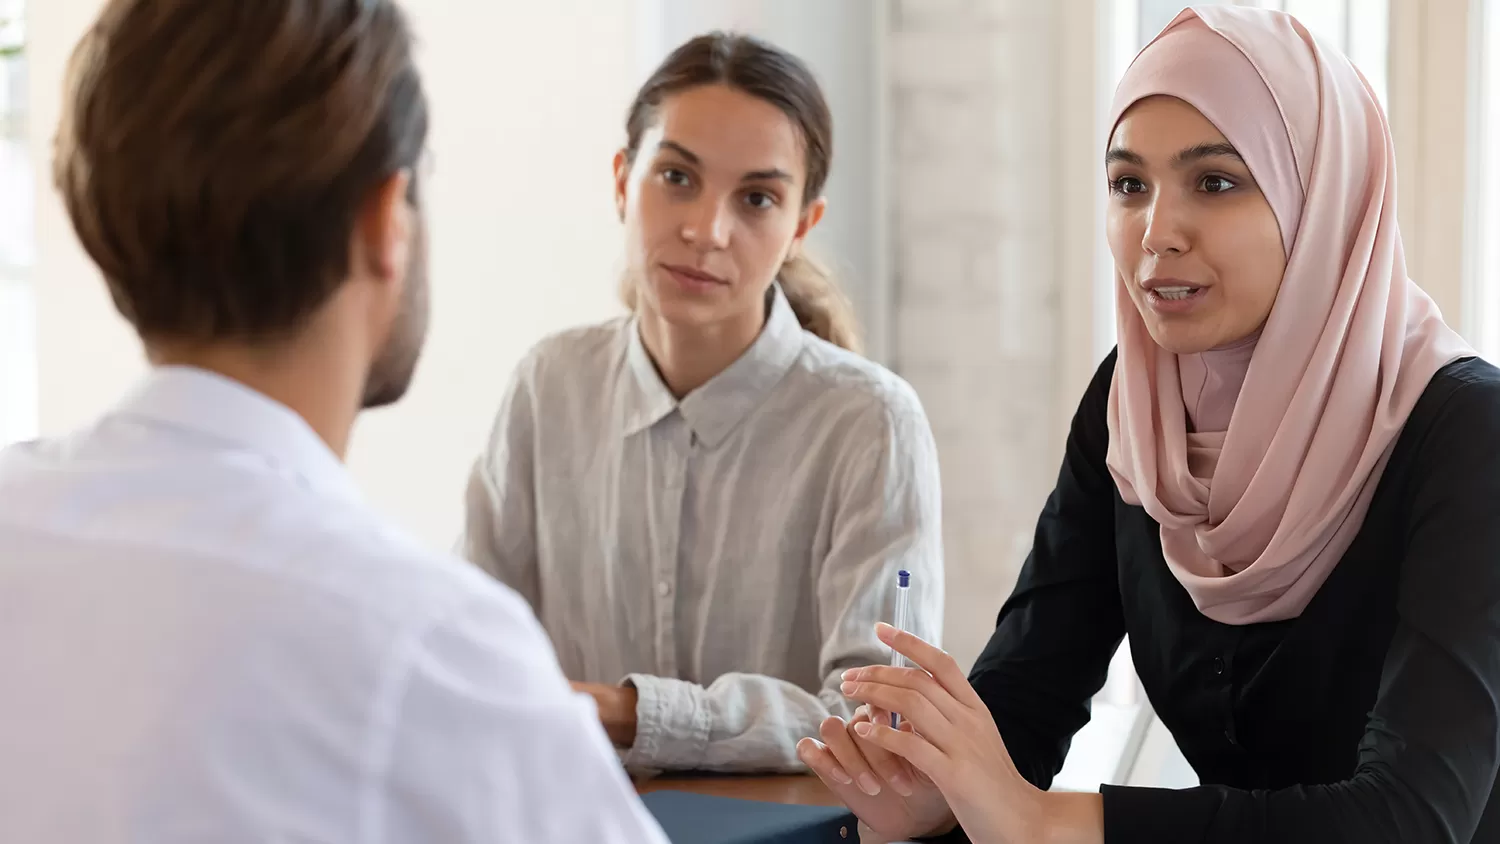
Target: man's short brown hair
(214, 154)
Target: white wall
(86, 354)
(528, 109)
(528, 102)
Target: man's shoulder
(224, 518)
(363, 559)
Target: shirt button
(664, 589)
(1219, 667)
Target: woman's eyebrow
(1192, 154)
(1199, 152)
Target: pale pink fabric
(1292, 427)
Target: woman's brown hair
(763, 71)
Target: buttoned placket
(677, 439)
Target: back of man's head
(215, 157)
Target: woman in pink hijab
(1284, 486)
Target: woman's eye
(1217, 184)
(675, 177)
(760, 201)
(1126, 185)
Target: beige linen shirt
(727, 554)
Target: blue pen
(903, 604)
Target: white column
(1482, 228)
(1429, 98)
(17, 242)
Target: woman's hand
(948, 734)
(616, 705)
(893, 799)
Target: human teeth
(1175, 292)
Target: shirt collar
(648, 400)
(220, 408)
(715, 409)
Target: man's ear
(384, 229)
(622, 180)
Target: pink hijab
(1291, 428)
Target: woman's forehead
(723, 127)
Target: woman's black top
(1374, 716)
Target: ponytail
(821, 307)
(819, 304)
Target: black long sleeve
(1373, 717)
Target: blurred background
(965, 218)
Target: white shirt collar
(715, 409)
(221, 408)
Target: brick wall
(977, 298)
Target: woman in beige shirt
(707, 502)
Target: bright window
(18, 377)
(1484, 229)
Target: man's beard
(392, 372)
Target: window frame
(1481, 274)
(18, 358)
(1430, 118)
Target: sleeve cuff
(671, 724)
(1157, 814)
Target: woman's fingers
(866, 712)
(915, 749)
(887, 766)
(840, 744)
(915, 679)
(816, 756)
(924, 715)
(932, 659)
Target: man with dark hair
(204, 634)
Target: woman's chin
(1181, 339)
(685, 311)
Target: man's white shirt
(205, 635)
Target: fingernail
(868, 785)
(863, 728)
(901, 785)
(846, 687)
(842, 777)
(851, 674)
